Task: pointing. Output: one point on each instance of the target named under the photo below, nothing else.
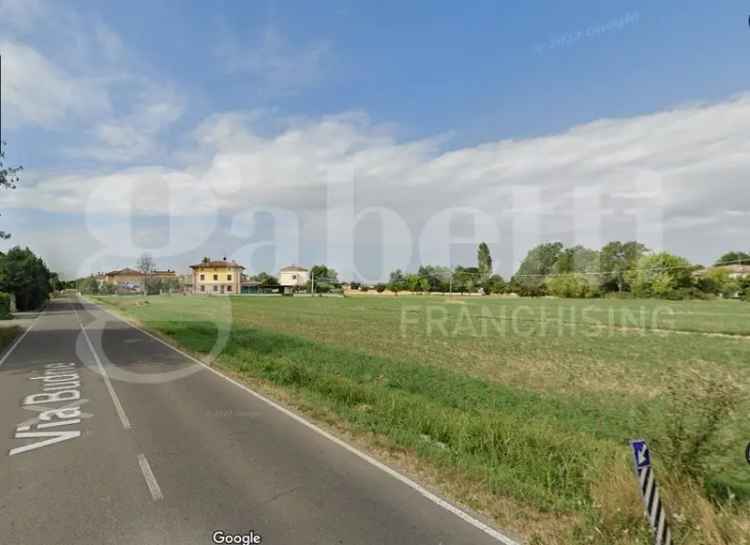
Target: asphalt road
(141, 455)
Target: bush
(5, 306)
(571, 285)
(698, 410)
(380, 288)
(364, 288)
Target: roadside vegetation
(7, 334)
(521, 408)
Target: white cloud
(37, 92)
(681, 174)
(84, 83)
(274, 63)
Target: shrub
(380, 288)
(364, 288)
(698, 409)
(571, 285)
(5, 306)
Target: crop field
(519, 408)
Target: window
(216, 277)
(216, 288)
(203, 277)
(229, 277)
(294, 277)
(229, 288)
(203, 288)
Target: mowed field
(520, 408)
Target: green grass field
(521, 408)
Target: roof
(125, 272)
(293, 268)
(217, 264)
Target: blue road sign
(641, 454)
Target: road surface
(90, 458)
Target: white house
(293, 276)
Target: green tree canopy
(484, 261)
(26, 276)
(660, 275)
(8, 179)
(539, 262)
(616, 259)
(732, 258)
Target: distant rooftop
(293, 268)
(217, 264)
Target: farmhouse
(131, 279)
(737, 271)
(294, 276)
(217, 277)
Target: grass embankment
(521, 409)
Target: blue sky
(461, 105)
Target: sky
(372, 136)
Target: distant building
(132, 280)
(294, 276)
(185, 283)
(736, 271)
(217, 277)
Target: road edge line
(434, 498)
(21, 336)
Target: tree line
(617, 269)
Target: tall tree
(616, 259)
(8, 179)
(539, 262)
(24, 275)
(484, 261)
(146, 265)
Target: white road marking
(20, 338)
(108, 383)
(153, 486)
(466, 517)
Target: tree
(265, 279)
(484, 261)
(734, 258)
(89, 285)
(660, 275)
(24, 275)
(466, 279)
(575, 285)
(577, 259)
(438, 278)
(397, 281)
(146, 266)
(324, 278)
(495, 284)
(616, 259)
(8, 179)
(539, 262)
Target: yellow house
(217, 277)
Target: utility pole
(312, 283)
